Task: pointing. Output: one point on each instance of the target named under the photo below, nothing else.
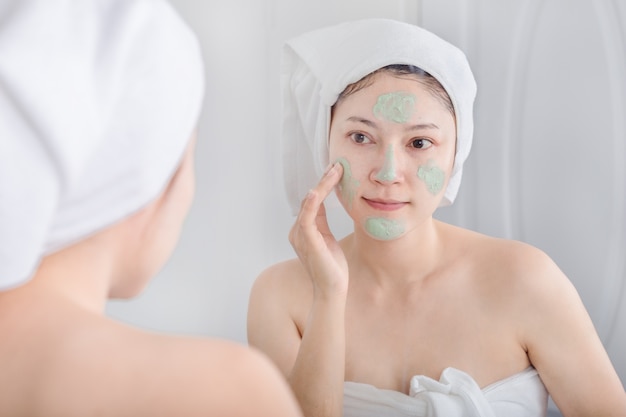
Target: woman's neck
(406, 260)
(79, 274)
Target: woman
(409, 316)
(98, 105)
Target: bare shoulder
(520, 281)
(126, 371)
(210, 375)
(289, 273)
(511, 263)
(529, 272)
(285, 283)
(536, 299)
(67, 361)
(279, 303)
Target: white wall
(548, 166)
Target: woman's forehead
(385, 84)
(391, 98)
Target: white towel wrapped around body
(317, 66)
(455, 394)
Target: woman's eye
(421, 143)
(359, 138)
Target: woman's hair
(402, 71)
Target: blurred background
(548, 165)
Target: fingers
(316, 196)
(313, 241)
(312, 216)
(329, 180)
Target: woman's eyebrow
(423, 126)
(366, 122)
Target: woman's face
(396, 142)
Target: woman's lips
(385, 205)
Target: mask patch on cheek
(396, 107)
(384, 229)
(348, 185)
(433, 177)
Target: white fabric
(456, 394)
(98, 99)
(319, 65)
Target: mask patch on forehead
(395, 107)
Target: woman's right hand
(314, 243)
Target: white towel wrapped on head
(98, 100)
(317, 66)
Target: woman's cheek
(433, 176)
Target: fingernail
(328, 168)
(332, 169)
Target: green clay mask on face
(388, 171)
(432, 176)
(384, 229)
(348, 185)
(396, 107)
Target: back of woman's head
(98, 101)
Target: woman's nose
(388, 170)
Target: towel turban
(318, 65)
(98, 100)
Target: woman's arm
(564, 347)
(318, 373)
(313, 362)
